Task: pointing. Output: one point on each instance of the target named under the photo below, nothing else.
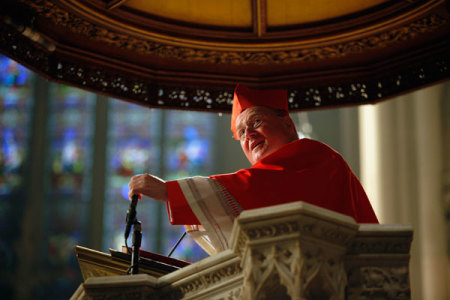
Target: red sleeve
(363, 209)
(179, 211)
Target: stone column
(401, 170)
(434, 259)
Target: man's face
(261, 132)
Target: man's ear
(287, 121)
(289, 124)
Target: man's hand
(148, 185)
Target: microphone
(131, 215)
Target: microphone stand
(136, 245)
(132, 221)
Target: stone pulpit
(290, 251)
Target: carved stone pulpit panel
(291, 251)
(377, 263)
(295, 249)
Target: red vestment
(304, 170)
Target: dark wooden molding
(115, 3)
(356, 67)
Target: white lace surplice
(216, 210)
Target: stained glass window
(189, 148)
(170, 144)
(71, 133)
(16, 103)
(134, 134)
(69, 163)
(188, 143)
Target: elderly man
(284, 169)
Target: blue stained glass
(133, 148)
(15, 104)
(189, 143)
(12, 73)
(68, 166)
(71, 132)
(12, 159)
(189, 153)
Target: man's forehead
(252, 111)
(246, 113)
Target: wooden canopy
(189, 54)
